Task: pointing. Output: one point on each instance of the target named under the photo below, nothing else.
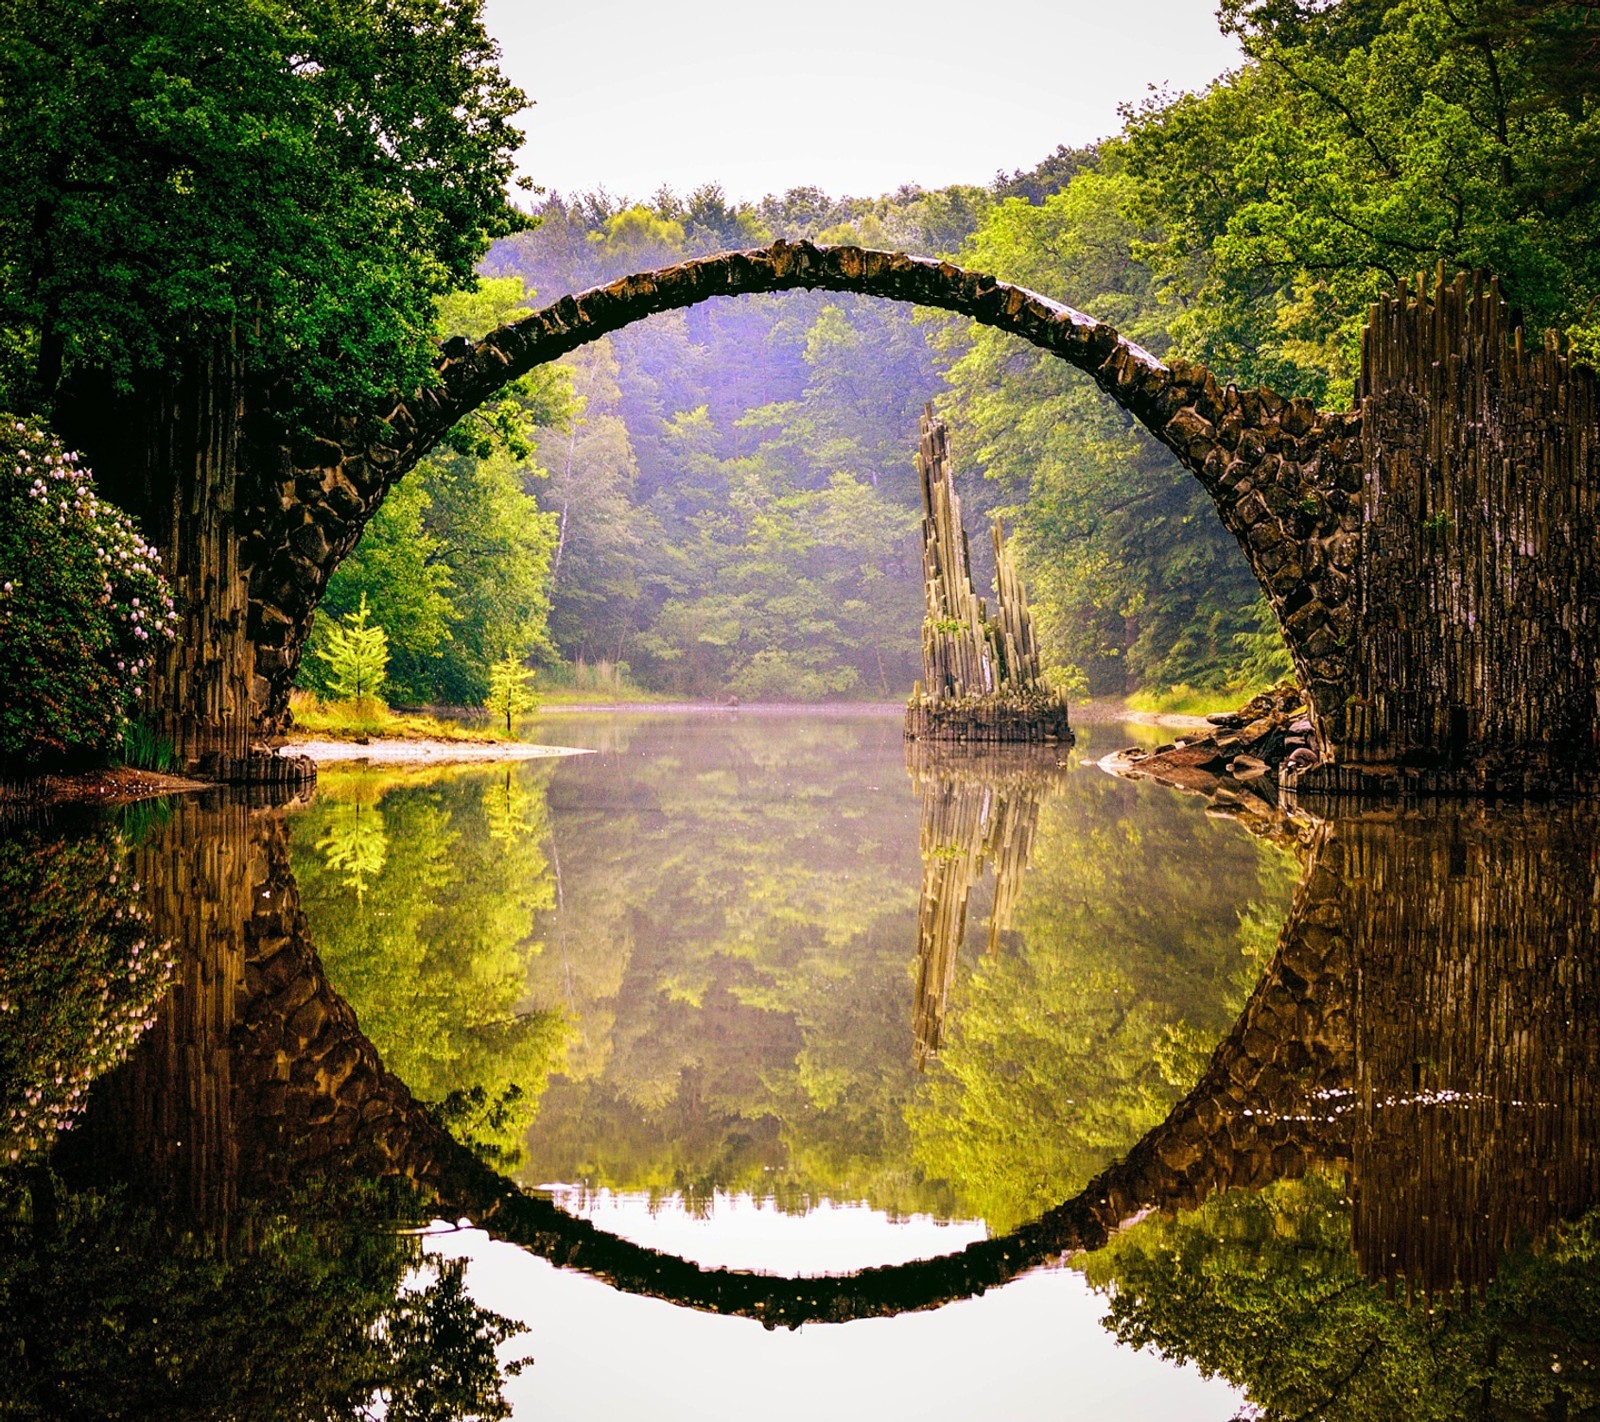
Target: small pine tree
(509, 693)
(357, 656)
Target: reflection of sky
(741, 1232)
(1031, 1351)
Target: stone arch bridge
(1429, 553)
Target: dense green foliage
(421, 893)
(1361, 143)
(83, 604)
(728, 509)
(735, 498)
(1118, 980)
(1248, 226)
(455, 565)
(1263, 1289)
(306, 176)
(108, 1309)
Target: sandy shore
(398, 752)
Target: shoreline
(123, 785)
(397, 751)
(1099, 712)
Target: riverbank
(382, 751)
(105, 785)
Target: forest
(721, 501)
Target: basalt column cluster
(981, 679)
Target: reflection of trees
(1428, 1023)
(433, 947)
(1122, 971)
(220, 1239)
(354, 845)
(80, 971)
(113, 1310)
(1431, 1024)
(740, 920)
(1262, 1287)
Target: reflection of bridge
(1430, 1021)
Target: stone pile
(1245, 751)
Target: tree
(1135, 580)
(399, 570)
(157, 196)
(184, 299)
(357, 656)
(1361, 143)
(510, 694)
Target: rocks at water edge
(1242, 755)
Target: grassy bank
(1192, 701)
(352, 720)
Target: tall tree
(242, 207)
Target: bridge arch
(1270, 465)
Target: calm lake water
(747, 1067)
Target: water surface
(744, 1027)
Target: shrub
(510, 695)
(83, 604)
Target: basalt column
(977, 809)
(169, 1111)
(173, 453)
(981, 678)
(199, 694)
(1477, 632)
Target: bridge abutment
(1472, 661)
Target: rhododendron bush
(84, 608)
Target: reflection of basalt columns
(977, 809)
(1432, 1021)
(980, 675)
(1476, 1005)
(169, 1109)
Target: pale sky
(853, 96)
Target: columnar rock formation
(1469, 658)
(981, 679)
